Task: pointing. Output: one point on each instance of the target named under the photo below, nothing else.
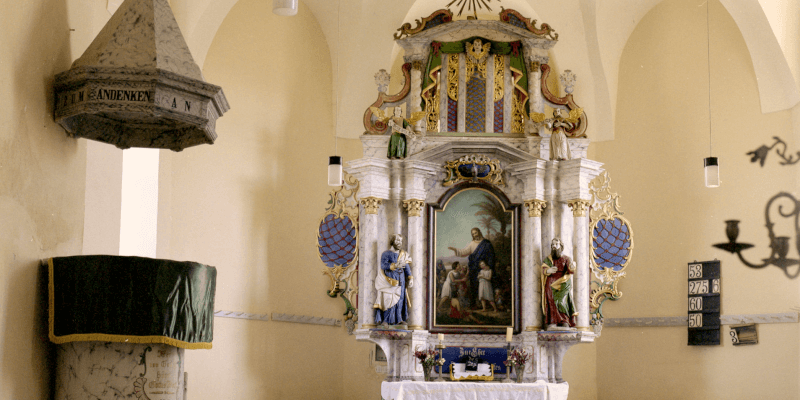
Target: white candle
(441, 337)
(509, 332)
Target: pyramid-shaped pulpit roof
(137, 85)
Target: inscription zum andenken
(123, 95)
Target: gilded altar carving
(473, 167)
(517, 115)
(371, 204)
(499, 75)
(477, 55)
(337, 243)
(578, 207)
(452, 77)
(438, 17)
(535, 207)
(612, 244)
(414, 207)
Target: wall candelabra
(779, 244)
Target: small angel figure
(558, 125)
(402, 129)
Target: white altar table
(413, 390)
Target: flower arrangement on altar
(517, 357)
(429, 357)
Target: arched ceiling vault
(592, 37)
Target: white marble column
(581, 252)
(110, 371)
(416, 174)
(573, 185)
(373, 175)
(532, 277)
(416, 249)
(416, 53)
(369, 255)
(489, 99)
(508, 95)
(550, 217)
(443, 97)
(532, 174)
(395, 223)
(462, 93)
(535, 55)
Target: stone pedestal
(116, 371)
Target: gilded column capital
(535, 66)
(579, 207)
(371, 204)
(413, 206)
(535, 207)
(416, 65)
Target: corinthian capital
(414, 207)
(371, 204)
(535, 207)
(579, 207)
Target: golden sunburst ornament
(473, 5)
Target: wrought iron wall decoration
(473, 167)
(612, 245)
(778, 244)
(760, 154)
(337, 241)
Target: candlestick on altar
(441, 347)
(508, 362)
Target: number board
(704, 307)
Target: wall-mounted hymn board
(704, 285)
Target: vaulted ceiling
(592, 37)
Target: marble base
(115, 371)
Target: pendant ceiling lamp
(335, 162)
(284, 8)
(710, 163)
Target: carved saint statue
(393, 279)
(559, 146)
(402, 130)
(559, 309)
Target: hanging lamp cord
(708, 57)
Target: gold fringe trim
(103, 337)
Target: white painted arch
(592, 38)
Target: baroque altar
(477, 165)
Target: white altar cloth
(413, 390)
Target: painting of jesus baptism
(474, 269)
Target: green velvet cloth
(131, 299)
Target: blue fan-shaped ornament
(611, 240)
(336, 240)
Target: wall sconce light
(335, 171)
(712, 171)
(284, 8)
(778, 244)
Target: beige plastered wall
(250, 205)
(42, 182)
(656, 164)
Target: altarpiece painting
(473, 268)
